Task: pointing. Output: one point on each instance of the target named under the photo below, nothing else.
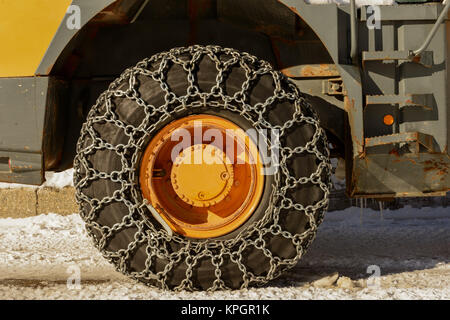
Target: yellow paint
(26, 30)
(211, 170)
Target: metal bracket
(333, 87)
(158, 217)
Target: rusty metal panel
(322, 70)
(401, 175)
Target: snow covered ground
(410, 248)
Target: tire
(173, 85)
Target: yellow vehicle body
(26, 30)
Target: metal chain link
(148, 232)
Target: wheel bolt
(225, 175)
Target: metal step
(425, 58)
(425, 101)
(415, 139)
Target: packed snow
(409, 247)
(52, 180)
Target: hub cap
(203, 175)
(211, 170)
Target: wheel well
(110, 43)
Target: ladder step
(425, 101)
(426, 58)
(409, 137)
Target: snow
(52, 180)
(59, 179)
(410, 246)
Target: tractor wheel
(202, 168)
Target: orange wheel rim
(203, 174)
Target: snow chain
(149, 231)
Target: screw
(225, 175)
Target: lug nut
(225, 175)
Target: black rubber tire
(115, 245)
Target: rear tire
(173, 85)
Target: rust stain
(416, 59)
(322, 70)
(394, 152)
(294, 9)
(440, 168)
(49, 69)
(16, 168)
(308, 71)
(288, 72)
(405, 160)
(349, 106)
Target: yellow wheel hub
(211, 170)
(211, 184)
